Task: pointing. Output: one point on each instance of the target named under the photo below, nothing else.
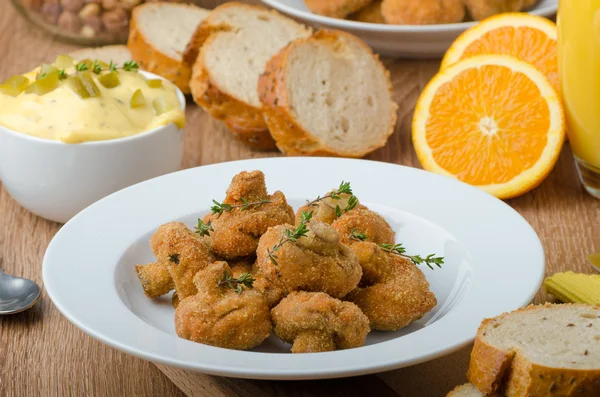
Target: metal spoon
(17, 294)
(594, 259)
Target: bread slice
(550, 350)
(158, 35)
(229, 51)
(116, 53)
(328, 95)
(466, 390)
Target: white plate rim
(344, 24)
(225, 362)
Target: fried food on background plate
(481, 9)
(369, 14)
(314, 261)
(222, 315)
(393, 291)
(316, 322)
(423, 12)
(155, 278)
(336, 8)
(245, 215)
(184, 254)
(372, 225)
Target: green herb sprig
(291, 236)
(220, 208)
(399, 249)
(335, 194)
(203, 229)
(236, 284)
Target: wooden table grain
(42, 354)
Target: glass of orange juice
(579, 65)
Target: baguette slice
(116, 53)
(328, 95)
(466, 390)
(158, 35)
(539, 351)
(229, 51)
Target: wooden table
(42, 354)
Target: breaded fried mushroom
(315, 262)
(393, 291)
(369, 14)
(220, 314)
(481, 9)
(315, 322)
(422, 12)
(336, 8)
(184, 254)
(370, 224)
(155, 278)
(236, 232)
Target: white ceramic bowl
(409, 41)
(56, 180)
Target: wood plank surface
(42, 354)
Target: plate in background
(407, 41)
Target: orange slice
(528, 37)
(492, 121)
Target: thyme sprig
(236, 284)
(334, 194)
(220, 208)
(174, 258)
(203, 229)
(399, 249)
(291, 236)
(96, 67)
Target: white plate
(494, 263)
(409, 41)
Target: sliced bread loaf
(158, 35)
(328, 95)
(229, 51)
(551, 350)
(116, 53)
(466, 390)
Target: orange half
(528, 37)
(492, 121)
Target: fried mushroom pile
(320, 280)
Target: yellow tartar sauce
(133, 106)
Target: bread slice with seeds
(229, 51)
(158, 35)
(539, 351)
(328, 95)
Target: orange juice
(579, 65)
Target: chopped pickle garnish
(154, 83)
(109, 80)
(137, 99)
(85, 64)
(64, 62)
(88, 83)
(43, 84)
(14, 85)
(160, 105)
(45, 70)
(76, 85)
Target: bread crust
(151, 59)
(492, 369)
(290, 136)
